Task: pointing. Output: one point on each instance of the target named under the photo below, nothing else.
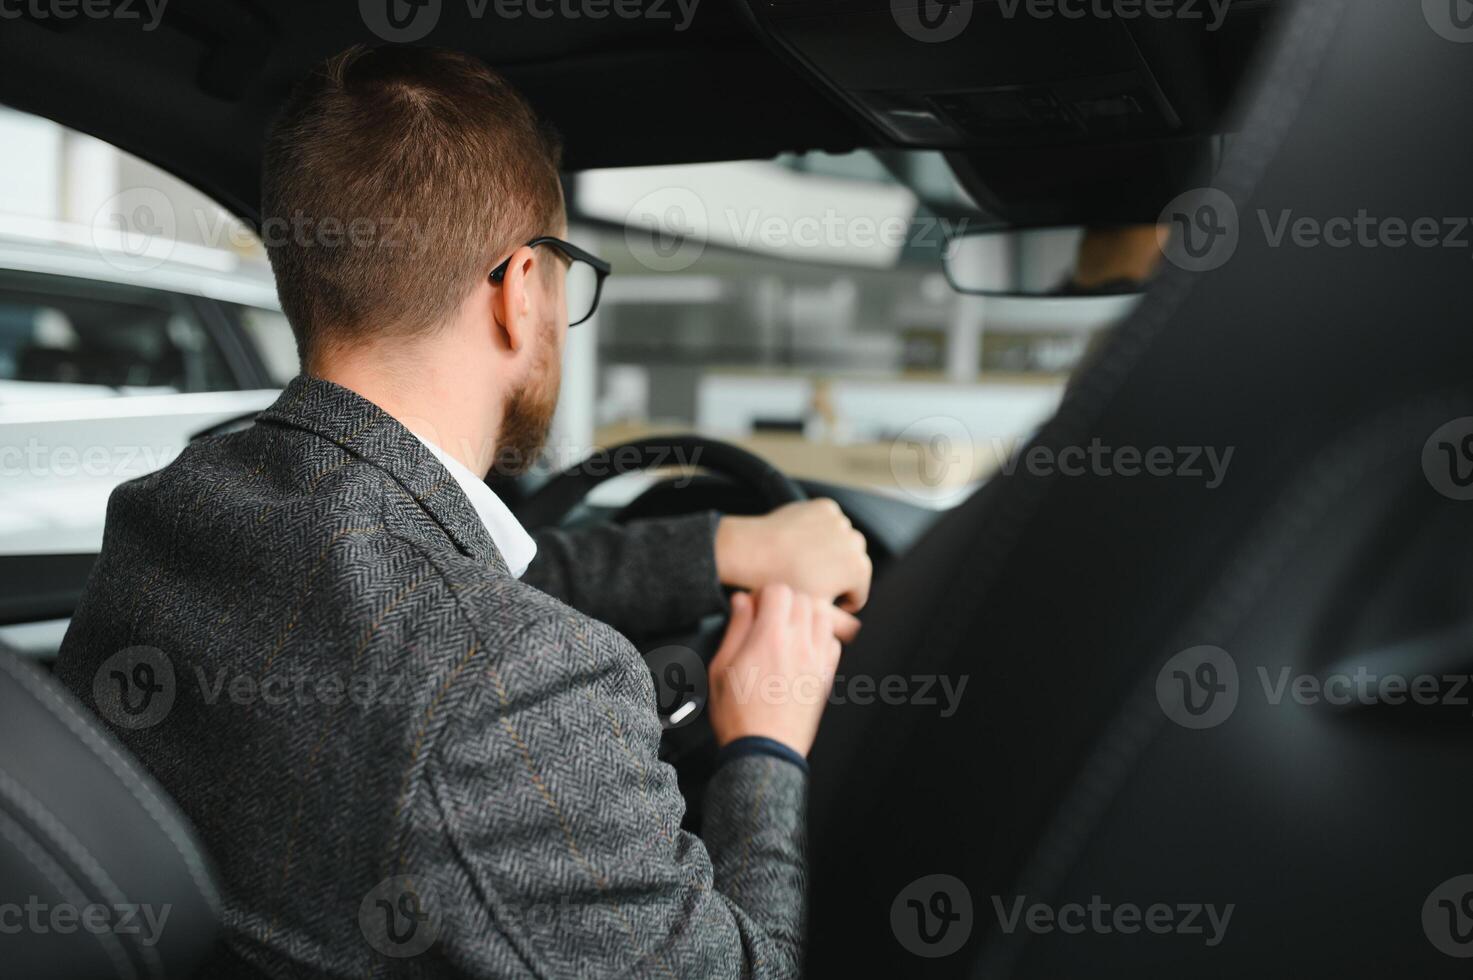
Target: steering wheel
(555, 498)
(677, 663)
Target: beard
(526, 421)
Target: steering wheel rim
(551, 502)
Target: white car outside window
(102, 380)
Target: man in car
(412, 734)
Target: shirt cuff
(758, 745)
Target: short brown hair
(393, 179)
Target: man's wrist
(733, 551)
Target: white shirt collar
(507, 533)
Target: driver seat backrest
(100, 876)
(1334, 547)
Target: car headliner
(737, 79)
(195, 95)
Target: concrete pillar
(993, 266)
(964, 338)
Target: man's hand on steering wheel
(806, 550)
(809, 546)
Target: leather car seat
(1092, 614)
(100, 876)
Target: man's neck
(436, 401)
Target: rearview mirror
(1054, 262)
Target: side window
(57, 332)
(271, 335)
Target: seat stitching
(140, 790)
(27, 847)
(75, 850)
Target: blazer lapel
(358, 426)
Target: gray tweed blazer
(404, 761)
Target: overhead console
(979, 74)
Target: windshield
(799, 308)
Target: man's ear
(515, 306)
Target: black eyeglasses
(586, 275)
